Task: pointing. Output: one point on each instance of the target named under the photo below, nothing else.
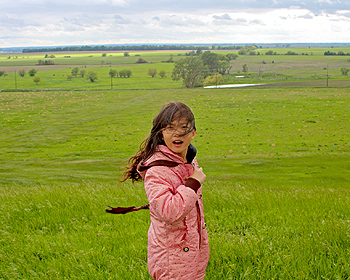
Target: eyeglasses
(181, 130)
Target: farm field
(276, 198)
(309, 65)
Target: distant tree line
(334, 53)
(129, 48)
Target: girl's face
(178, 136)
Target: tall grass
(276, 198)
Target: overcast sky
(84, 22)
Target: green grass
(261, 69)
(276, 198)
(81, 58)
(58, 79)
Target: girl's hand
(198, 175)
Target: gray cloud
(6, 21)
(307, 16)
(120, 20)
(224, 17)
(134, 21)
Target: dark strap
(124, 210)
(158, 163)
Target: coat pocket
(183, 261)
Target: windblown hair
(171, 112)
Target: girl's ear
(194, 132)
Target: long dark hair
(173, 111)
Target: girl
(177, 238)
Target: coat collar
(167, 157)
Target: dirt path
(9, 69)
(331, 83)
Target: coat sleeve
(168, 203)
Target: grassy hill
(276, 198)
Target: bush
(125, 73)
(22, 72)
(214, 80)
(162, 74)
(32, 72)
(2, 73)
(152, 72)
(75, 71)
(113, 73)
(46, 62)
(141, 60)
(344, 71)
(92, 76)
(245, 68)
(37, 80)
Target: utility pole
(327, 75)
(16, 79)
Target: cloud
(6, 21)
(120, 20)
(224, 17)
(142, 21)
(307, 16)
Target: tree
(75, 71)
(245, 68)
(126, 54)
(2, 73)
(162, 73)
(214, 80)
(231, 56)
(128, 73)
(224, 66)
(82, 72)
(344, 71)
(125, 73)
(152, 72)
(141, 60)
(92, 76)
(22, 73)
(37, 80)
(46, 62)
(104, 55)
(171, 59)
(191, 70)
(32, 72)
(212, 60)
(113, 73)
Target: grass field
(276, 198)
(262, 68)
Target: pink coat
(178, 245)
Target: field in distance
(308, 64)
